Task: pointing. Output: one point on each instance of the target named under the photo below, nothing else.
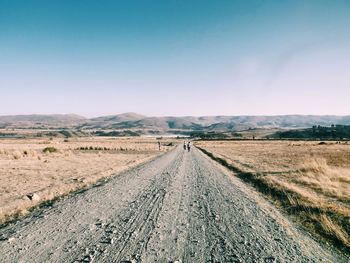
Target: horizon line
(166, 115)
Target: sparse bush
(50, 150)
(16, 155)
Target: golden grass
(309, 180)
(25, 168)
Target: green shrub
(50, 150)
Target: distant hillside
(38, 121)
(212, 123)
(157, 125)
(128, 116)
(108, 122)
(281, 121)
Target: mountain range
(134, 121)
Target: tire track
(126, 237)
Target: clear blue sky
(175, 57)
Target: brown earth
(52, 168)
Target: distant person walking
(159, 145)
(188, 146)
(185, 148)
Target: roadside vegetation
(309, 180)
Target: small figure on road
(159, 145)
(188, 146)
(185, 148)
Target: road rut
(180, 207)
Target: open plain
(309, 180)
(33, 171)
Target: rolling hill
(144, 124)
(212, 123)
(41, 121)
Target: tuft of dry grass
(17, 155)
(51, 168)
(331, 227)
(310, 181)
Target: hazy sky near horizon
(175, 57)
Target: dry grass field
(36, 170)
(310, 180)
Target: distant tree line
(115, 133)
(335, 132)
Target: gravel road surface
(180, 207)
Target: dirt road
(180, 207)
